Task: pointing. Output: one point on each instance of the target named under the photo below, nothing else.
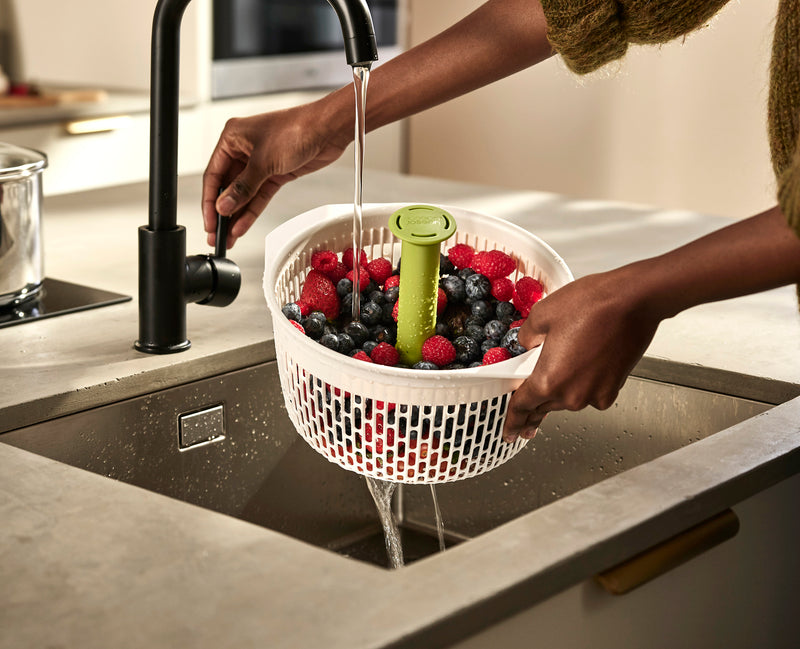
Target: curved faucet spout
(359, 34)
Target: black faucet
(168, 279)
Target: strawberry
(319, 292)
(395, 310)
(380, 270)
(347, 258)
(495, 355)
(438, 350)
(324, 261)
(502, 289)
(385, 354)
(527, 292)
(298, 326)
(461, 255)
(493, 263)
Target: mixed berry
(479, 309)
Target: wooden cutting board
(52, 98)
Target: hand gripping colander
(391, 423)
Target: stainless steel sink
(244, 459)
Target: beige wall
(681, 126)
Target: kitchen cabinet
(741, 594)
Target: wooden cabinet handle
(669, 554)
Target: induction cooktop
(57, 297)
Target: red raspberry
(441, 301)
(363, 278)
(438, 350)
(379, 270)
(324, 261)
(527, 292)
(361, 355)
(503, 289)
(495, 355)
(517, 323)
(319, 293)
(347, 258)
(461, 255)
(395, 310)
(392, 281)
(337, 272)
(385, 354)
(298, 326)
(493, 263)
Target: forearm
(498, 39)
(749, 256)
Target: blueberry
(475, 331)
(424, 365)
(292, 311)
(495, 329)
(345, 343)
(347, 303)
(386, 313)
(314, 325)
(377, 297)
(465, 272)
(331, 341)
(391, 293)
(442, 329)
(446, 266)
(369, 345)
(467, 350)
(504, 310)
(511, 342)
(474, 320)
(344, 287)
(481, 309)
(454, 288)
(487, 344)
(478, 287)
(357, 331)
(371, 313)
(384, 334)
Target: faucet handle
(223, 223)
(214, 279)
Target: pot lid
(16, 161)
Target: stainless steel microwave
(262, 46)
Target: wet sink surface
(258, 469)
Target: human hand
(256, 156)
(593, 331)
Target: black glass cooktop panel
(57, 298)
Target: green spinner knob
(421, 228)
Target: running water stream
(382, 492)
(360, 80)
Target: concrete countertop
(86, 561)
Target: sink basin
(226, 444)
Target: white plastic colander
(396, 424)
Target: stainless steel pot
(21, 260)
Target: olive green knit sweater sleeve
(590, 33)
(784, 110)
